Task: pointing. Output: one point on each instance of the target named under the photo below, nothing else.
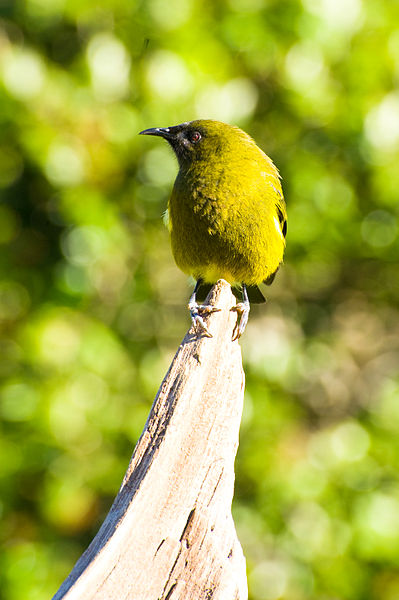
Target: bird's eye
(195, 137)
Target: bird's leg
(243, 309)
(197, 310)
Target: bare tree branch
(169, 534)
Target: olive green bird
(227, 215)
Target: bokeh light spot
(268, 580)
(304, 65)
(67, 420)
(109, 64)
(69, 505)
(340, 15)
(23, 74)
(168, 76)
(230, 102)
(382, 124)
(350, 442)
(58, 339)
(310, 522)
(176, 14)
(84, 245)
(378, 515)
(379, 228)
(64, 165)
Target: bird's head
(200, 140)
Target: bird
(226, 214)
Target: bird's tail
(255, 296)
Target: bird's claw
(242, 308)
(196, 312)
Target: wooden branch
(169, 534)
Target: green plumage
(227, 215)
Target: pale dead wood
(169, 534)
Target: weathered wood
(169, 534)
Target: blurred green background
(92, 307)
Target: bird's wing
(281, 212)
(282, 216)
(281, 208)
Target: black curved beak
(168, 133)
(165, 132)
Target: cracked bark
(169, 534)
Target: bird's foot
(242, 308)
(196, 312)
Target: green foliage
(92, 306)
